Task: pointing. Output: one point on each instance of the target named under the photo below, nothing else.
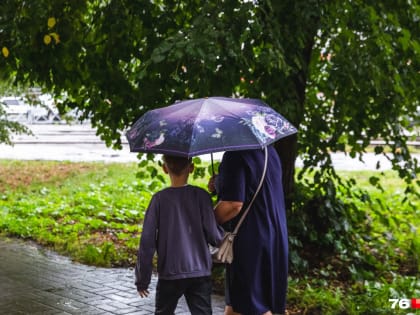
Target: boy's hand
(143, 293)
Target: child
(179, 224)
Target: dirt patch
(21, 174)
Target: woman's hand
(212, 185)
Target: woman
(256, 281)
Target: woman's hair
(176, 164)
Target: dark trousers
(197, 292)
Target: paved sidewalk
(37, 281)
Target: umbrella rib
(197, 118)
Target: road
(61, 142)
(78, 142)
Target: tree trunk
(287, 150)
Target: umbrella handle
(212, 166)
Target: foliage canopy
(343, 72)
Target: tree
(8, 127)
(343, 72)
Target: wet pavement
(34, 280)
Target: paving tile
(107, 307)
(126, 310)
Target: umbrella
(206, 125)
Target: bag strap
(255, 195)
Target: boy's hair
(176, 164)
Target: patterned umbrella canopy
(206, 125)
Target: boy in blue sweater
(179, 224)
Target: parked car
(15, 108)
(44, 109)
(18, 109)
